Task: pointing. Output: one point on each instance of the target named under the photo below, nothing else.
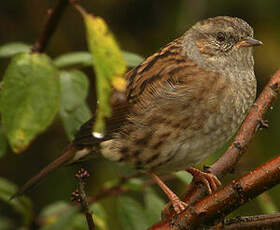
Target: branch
(246, 132)
(80, 196)
(120, 189)
(216, 206)
(54, 16)
(271, 221)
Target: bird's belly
(188, 150)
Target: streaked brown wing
(166, 75)
(84, 137)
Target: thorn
(263, 124)
(275, 87)
(237, 145)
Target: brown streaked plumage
(182, 103)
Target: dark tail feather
(67, 155)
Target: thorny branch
(80, 196)
(53, 19)
(213, 208)
(270, 221)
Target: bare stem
(81, 197)
(270, 221)
(54, 16)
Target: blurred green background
(142, 27)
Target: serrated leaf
(57, 216)
(131, 214)
(13, 48)
(84, 58)
(153, 206)
(3, 142)
(73, 108)
(21, 205)
(29, 98)
(109, 66)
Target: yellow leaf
(109, 66)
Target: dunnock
(183, 103)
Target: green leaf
(21, 204)
(132, 59)
(3, 142)
(13, 48)
(84, 58)
(154, 204)
(99, 218)
(109, 66)
(73, 120)
(7, 223)
(131, 214)
(183, 176)
(58, 216)
(29, 99)
(73, 108)
(135, 184)
(267, 204)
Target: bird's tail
(61, 160)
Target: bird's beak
(248, 42)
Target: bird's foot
(177, 204)
(208, 179)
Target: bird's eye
(221, 37)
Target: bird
(181, 104)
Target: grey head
(221, 43)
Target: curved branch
(270, 221)
(216, 206)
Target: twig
(119, 189)
(214, 207)
(53, 19)
(81, 197)
(270, 221)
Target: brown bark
(214, 207)
(260, 222)
(50, 26)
